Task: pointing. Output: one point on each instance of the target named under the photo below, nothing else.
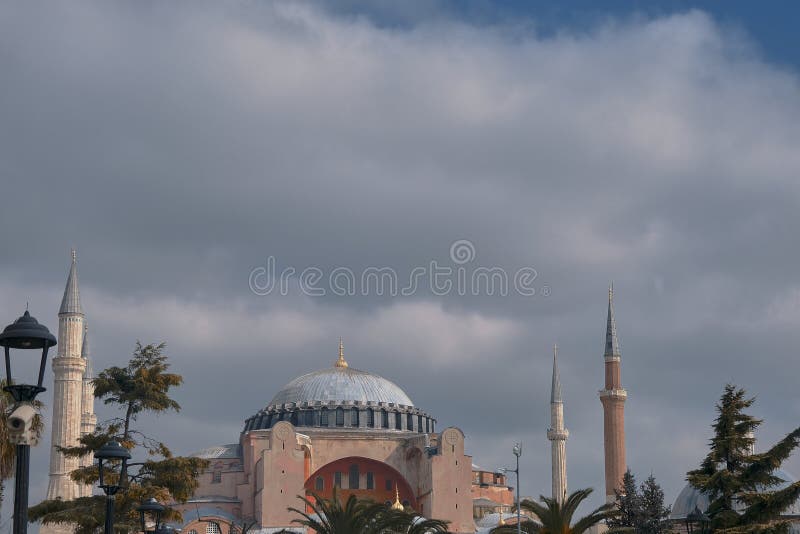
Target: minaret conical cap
(85, 353)
(71, 302)
(612, 345)
(555, 389)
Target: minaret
(69, 368)
(88, 418)
(613, 398)
(558, 435)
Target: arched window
(339, 416)
(370, 418)
(427, 425)
(319, 484)
(370, 480)
(410, 421)
(213, 528)
(398, 421)
(354, 417)
(384, 419)
(323, 417)
(419, 423)
(354, 476)
(293, 420)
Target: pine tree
(653, 518)
(142, 386)
(740, 485)
(628, 503)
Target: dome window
(323, 417)
(213, 528)
(384, 419)
(354, 417)
(370, 418)
(398, 421)
(339, 416)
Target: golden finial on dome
(341, 362)
(501, 521)
(397, 505)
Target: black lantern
(109, 452)
(696, 517)
(27, 334)
(150, 509)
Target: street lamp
(696, 516)
(112, 450)
(517, 453)
(25, 333)
(153, 509)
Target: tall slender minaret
(558, 434)
(613, 398)
(69, 368)
(88, 418)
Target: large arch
(385, 480)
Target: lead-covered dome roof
(341, 384)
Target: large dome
(341, 384)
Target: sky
(184, 148)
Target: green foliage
(740, 484)
(556, 518)
(142, 386)
(640, 510)
(330, 516)
(8, 452)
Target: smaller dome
(690, 497)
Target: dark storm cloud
(177, 146)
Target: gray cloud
(177, 146)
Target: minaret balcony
(557, 435)
(615, 394)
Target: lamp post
(108, 452)
(25, 333)
(696, 516)
(153, 509)
(517, 453)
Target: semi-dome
(341, 384)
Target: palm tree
(8, 452)
(556, 518)
(330, 516)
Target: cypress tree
(740, 485)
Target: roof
(612, 344)
(71, 301)
(341, 384)
(232, 450)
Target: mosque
(337, 427)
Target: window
(370, 418)
(294, 420)
(419, 423)
(337, 479)
(427, 425)
(354, 417)
(370, 480)
(216, 477)
(354, 476)
(389, 485)
(410, 422)
(323, 417)
(384, 419)
(339, 416)
(309, 417)
(398, 421)
(213, 528)
(319, 484)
